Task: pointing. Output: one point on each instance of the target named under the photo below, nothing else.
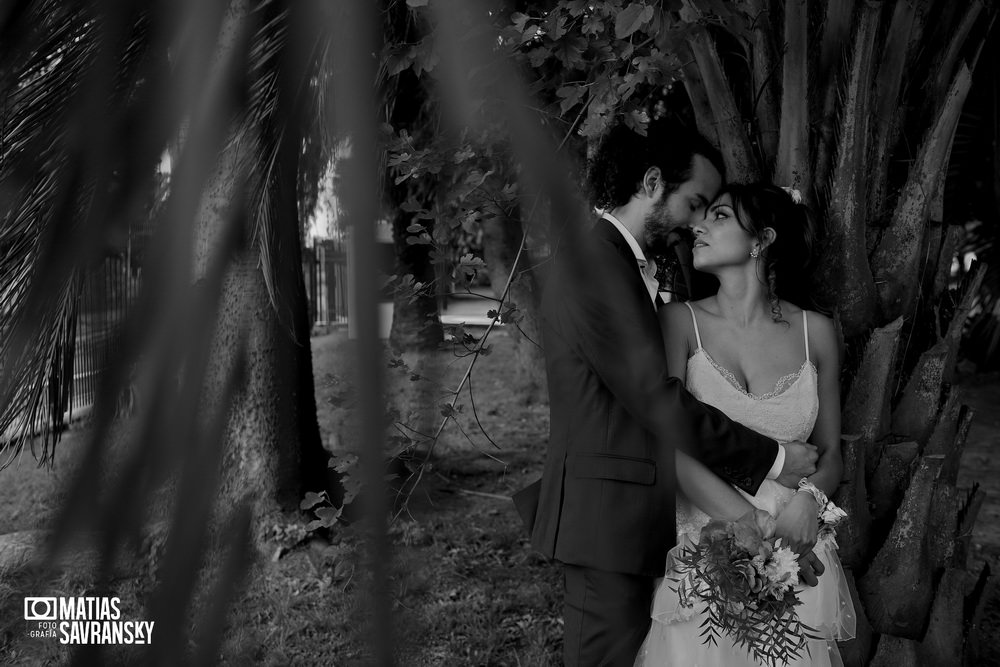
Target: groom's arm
(611, 320)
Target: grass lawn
(466, 589)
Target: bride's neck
(742, 300)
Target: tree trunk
(845, 270)
(415, 319)
(273, 451)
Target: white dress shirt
(647, 267)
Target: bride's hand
(796, 524)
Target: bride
(753, 352)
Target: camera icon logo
(40, 609)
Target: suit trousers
(605, 617)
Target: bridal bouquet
(745, 583)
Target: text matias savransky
(85, 620)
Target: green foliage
(580, 64)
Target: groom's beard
(659, 223)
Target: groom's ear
(650, 180)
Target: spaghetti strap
(695, 320)
(805, 330)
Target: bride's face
(720, 240)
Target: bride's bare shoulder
(822, 333)
(674, 313)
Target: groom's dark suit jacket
(606, 496)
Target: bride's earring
(755, 253)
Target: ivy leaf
(538, 56)
(425, 58)
(343, 463)
(576, 7)
(556, 27)
(689, 13)
(397, 159)
(631, 19)
(312, 499)
(511, 315)
(398, 62)
(569, 51)
(422, 239)
(328, 515)
(530, 33)
(470, 264)
(592, 25)
(520, 20)
(571, 97)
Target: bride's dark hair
(787, 262)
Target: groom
(604, 506)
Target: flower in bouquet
(831, 515)
(745, 582)
(781, 571)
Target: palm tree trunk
(269, 417)
(764, 70)
(846, 269)
(272, 450)
(792, 166)
(733, 140)
(897, 255)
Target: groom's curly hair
(615, 172)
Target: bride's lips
(699, 244)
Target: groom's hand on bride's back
(800, 461)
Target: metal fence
(325, 271)
(108, 292)
(110, 288)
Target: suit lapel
(609, 232)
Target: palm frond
(43, 191)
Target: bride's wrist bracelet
(805, 486)
(827, 512)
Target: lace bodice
(787, 412)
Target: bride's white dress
(786, 413)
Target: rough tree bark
(272, 450)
